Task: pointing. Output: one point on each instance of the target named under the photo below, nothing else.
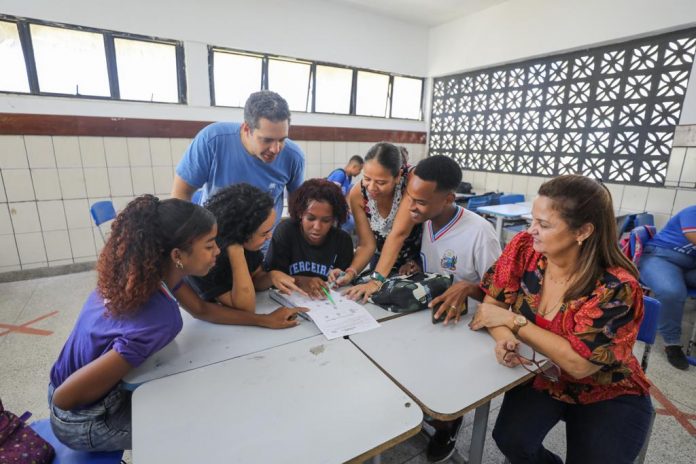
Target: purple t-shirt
(672, 236)
(135, 338)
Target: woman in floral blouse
(575, 299)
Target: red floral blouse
(601, 327)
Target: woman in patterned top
(575, 299)
(377, 206)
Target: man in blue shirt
(668, 267)
(344, 176)
(256, 151)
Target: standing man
(256, 151)
(456, 242)
(343, 177)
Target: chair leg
(691, 346)
(644, 450)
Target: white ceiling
(423, 12)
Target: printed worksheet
(346, 318)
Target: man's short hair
(442, 170)
(265, 104)
(357, 159)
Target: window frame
(108, 36)
(312, 83)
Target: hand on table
(489, 315)
(283, 318)
(506, 353)
(339, 278)
(313, 286)
(362, 292)
(453, 302)
(285, 284)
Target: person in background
(256, 151)
(564, 289)
(131, 314)
(378, 203)
(311, 243)
(404, 154)
(245, 218)
(343, 177)
(455, 242)
(668, 267)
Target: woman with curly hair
(311, 243)
(131, 314)
(245, 218)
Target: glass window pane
(146, 70)
(333, 89)
(372, 94)
(13, 77)
(406, 98)
(235, 77)
(69, 61)
(290, 79)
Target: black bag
(410, 293)
(464, 187)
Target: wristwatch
(377, 276)
(518, 322)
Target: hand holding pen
(339, 278)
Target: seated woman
(245, 218)
(379, 204)
(132, 314)
(668, 267)
(564, 289)
(311, 243)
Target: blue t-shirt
(135, 338)
(340, 177)
(672, 236)
(216, 158)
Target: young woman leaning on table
(575, 299)
(245, 218)
(132, 314)
(388, 239)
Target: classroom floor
(41, 313)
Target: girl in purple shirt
(129, 316)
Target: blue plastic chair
(511, 198)
(65, 455)
(691, 292)
(102, 211)
(487, 199)
(644, 219)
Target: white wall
(311, 29)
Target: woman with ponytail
(130, 315)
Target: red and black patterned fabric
(601, 327)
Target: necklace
(563, 283)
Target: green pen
(328, 295)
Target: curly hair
(135, 256)
(318, 190)
(240, 210)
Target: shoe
(441, 446)
(676, 357)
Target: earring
(179, 265)
(579, 242)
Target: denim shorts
(102, 426)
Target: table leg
(376, 459)
(499, 227)
(478, 433)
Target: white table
(312, 401)
(202, 343)
(509, 211)
(448, 370)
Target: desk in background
(202, 343)
(312, 401)
(509, 211)
(448, 370)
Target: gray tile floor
(25, 360)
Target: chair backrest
(628, 224)
(638, 238)
(511, 198)
(65, 455)
(644, 219)
(651, 314)
(102, 211)
(487, 199)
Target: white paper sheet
(346, 318)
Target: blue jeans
(103, 426)
(611, 431)
(668, 273)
